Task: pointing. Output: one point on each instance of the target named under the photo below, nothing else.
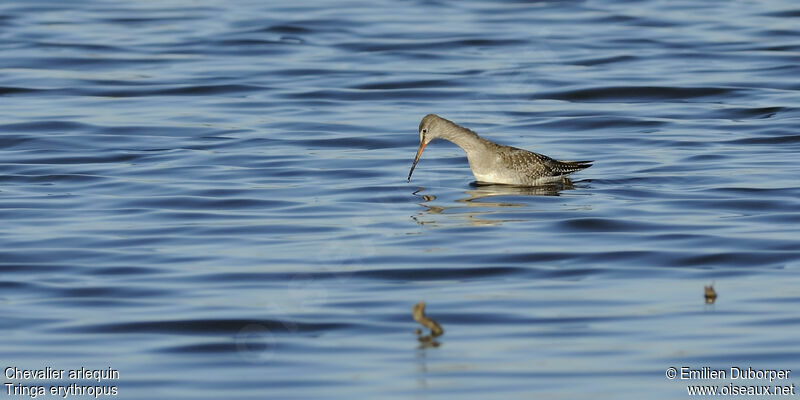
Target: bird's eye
(424, 130)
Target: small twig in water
(424, 320)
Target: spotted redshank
(495, 163)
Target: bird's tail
(568, 167)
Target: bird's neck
(466, 139)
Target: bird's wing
(540, 165)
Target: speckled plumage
(495, 163)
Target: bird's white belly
(494, 176)
(512, 178)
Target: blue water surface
(210, 197)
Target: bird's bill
(416, 159)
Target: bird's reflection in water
(483, 190)
(479, 202)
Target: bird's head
(429, 129)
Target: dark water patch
(793, 13)
(785, 192)
(770, 217)
(774, 34)
(302, 128)
(428, 45)
(624, 261)
(653, 23)
(286, 28)
(269, 277)
(576, 273)
(258, 42)
(280, 47)
(245, 345)
(78, 46)
(73, 63)
(6, 19)
(330, 173)
(8, 141)
(349, 143)
(39, 256)
(705, 158)
(607, 225)
(639, 42)
(204, 203)
(46, 126)
(133, 82)
(382, 274)
(107, 292)
(483, 318)
(208, 348)
(538, 257)
(95, 303)
(9, 90)
(161, 11)
(195, 90)
(755, 205)
(627, 256)
(755, 259)
(89, 159)
(411, 84)
(9, 322)
(324, 72)
(160, 130)
(738, 113)
(307, 26)
(15, 285)
(432, 273)
(61, 178)
(208, 327)
(376, 95)
(24, 266)
(292, 229)
(260, 230)
(637, 93)
(770, 140)
(630, 20)
(589, 62)
(125, 271)
(597, 122)
(229, 47)
(153, 19)
(780, 48)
